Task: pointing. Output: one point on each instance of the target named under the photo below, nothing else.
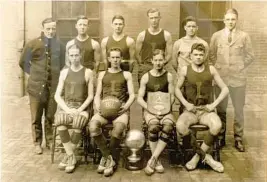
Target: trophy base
(134, 166)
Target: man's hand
(122, 110)
(190, 107)
(209, 107)
(72, 112)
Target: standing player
(199, 105)
(157, 80)
(90, 48)
(231, 53)
(152, 38)
(117, 83)
(122, 41)
(43, 58)
(76, 84)
(182, 47)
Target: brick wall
(253, 20)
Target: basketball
(109, 107)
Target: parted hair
(199, 47)
(189, 18)
(82, 17)
(233, 11)
(118, 17)
(152, 10)
(114, 49)
(48, 20)
(157, 52)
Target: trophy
(134, 141)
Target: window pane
(94, 28)
(66, 28)
(92, 9)
(204, 28)
(216, 26)
(204, 10)
(77, 8)
(188, 9)
(63, 9)
(218, 9)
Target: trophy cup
(134, 141)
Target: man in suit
(231, 53)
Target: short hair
(82, 17)
(189, 18)
(199, 47)
(48, 20)
(114, 49)
(75, 46)
(118, 17)
(152, 10)
(233, 11)
(157, 52)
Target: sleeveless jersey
(150, 43)
(114, 84)
(88, 59)
(75, 86)
(198, 86)
(122, 44)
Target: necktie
(230, 37)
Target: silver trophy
(134, 141)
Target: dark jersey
(122, 44)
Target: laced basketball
(109, 107)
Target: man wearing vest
(152, 38)
(182, 47)
(160, 126)
(231, 53)
(122, 41)
(43, 58)
(199, 106)
(90, 48)
(74, 94)
(117, 83)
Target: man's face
(154, 19)
(158, 62)
(115, 59)
(197, 57)
(82, 26)
(118, 26)
(49, 29)
(191, 28)
(74, 56)
(230, 20)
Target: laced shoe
(71, 164)
(38, 150)
(62, 165)
(159, 167)
(192, 164)
(215, 165)
(109, 170)
(150, 167)
(102, 165)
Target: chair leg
(53, 144)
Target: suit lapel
(236, 36)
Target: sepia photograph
(133, 91)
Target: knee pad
(118, 130)
(166, 132)
(153, 130)
(62, 119)
(95, 128)
(79, 122)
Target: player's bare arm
(139, 43)
(104, 51)
(168, 50)
(97, 54)
(128, 77)
(142, 91)
(97, 98)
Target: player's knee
(182, 128)
(118, 130)
(61, 127)
(215, 126)
(62, 119)
(153, 130)
(166, 132)
(79, 122)
(95, 128)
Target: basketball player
(76, 84)
(199, 105)
(122, 41)
(152, 38)
(157, 79)
(182, 47)
(90, 48)
(117, 83)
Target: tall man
(117, 83)
(152, 38)
(43, 58)
(76, 85)
(122, 41)
(90, 47)
(155, 81)
(199, 106)
(182, 47)
(231, 53)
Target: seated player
(76, 85)
(199, 106)
(117, 83)
(160, 125)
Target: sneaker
(38, 150)
(109, 166)
(215, 165)
(159, 167)
(150, 167)
(71, 164)
(192, 164)
(102, 165)
(62, 165)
